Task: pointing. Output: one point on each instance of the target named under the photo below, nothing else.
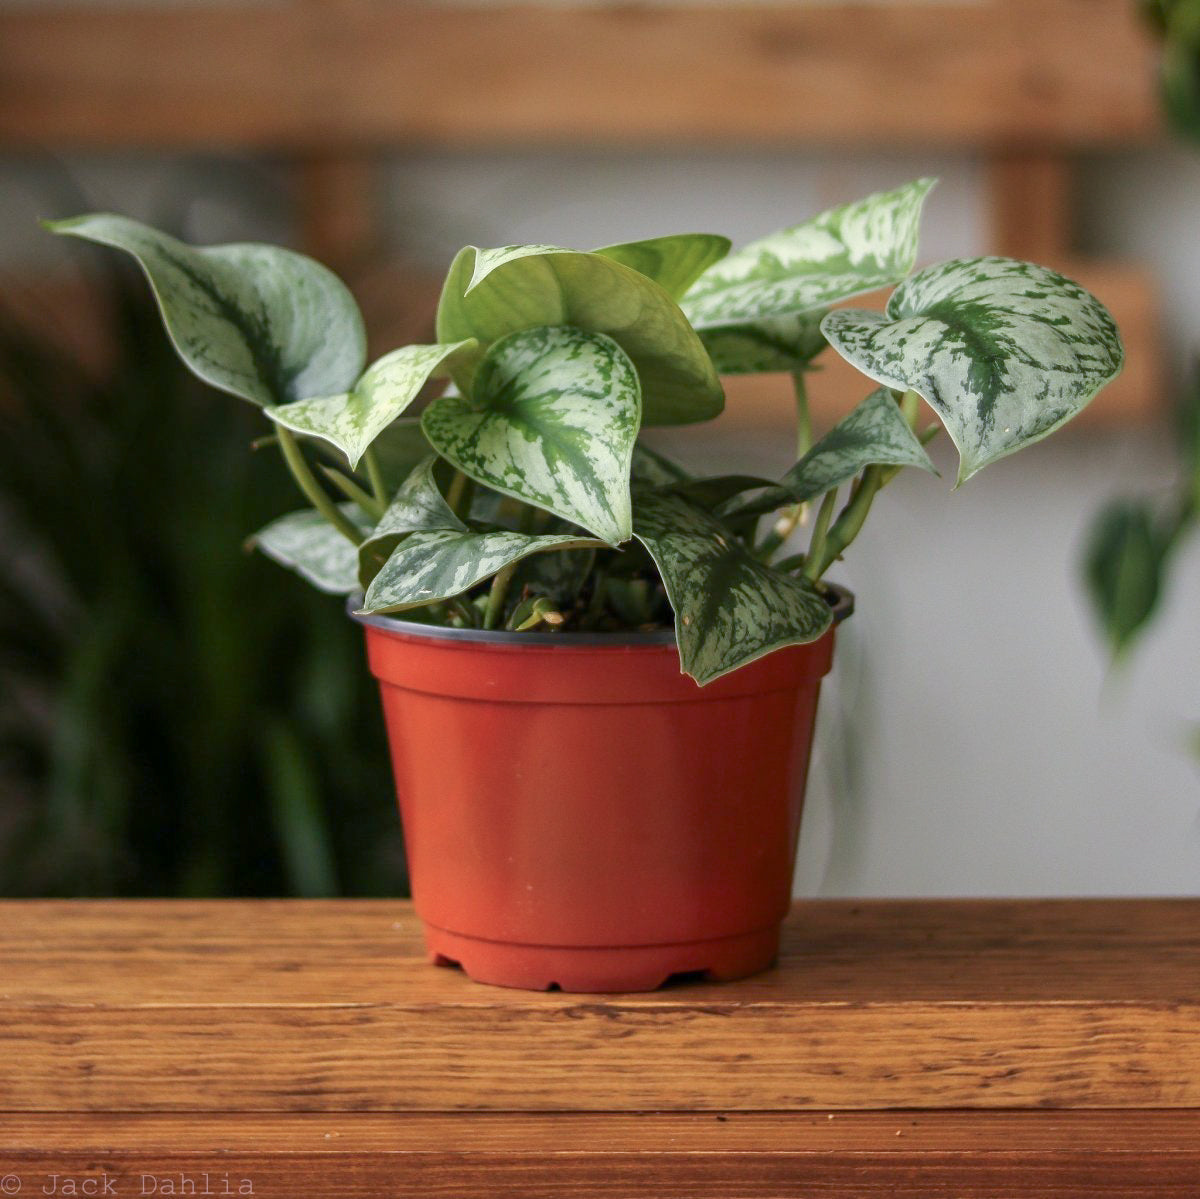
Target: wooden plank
(840, 1156)
(331, 1007)
(966, 73)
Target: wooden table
(971, 1049)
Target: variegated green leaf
(491, 293)
(873, 434)
(260, 322)
(418, 506)
(307, 543)
(1003, 351)
(674, 262)
(780, 343)
(841, 253)
(427, 567)
(351, 421)
(553, 420)
(653, 469)
(729, 608)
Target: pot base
(605, 969)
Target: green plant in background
(524, 497)
(1178, 25)
(172, 724)
(1133, 540)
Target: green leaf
(674, 262)
(1124, 567)
(730, 609)
(351, 421)
(1003, 351)
(553, 421)
(305, 542)
(841, 253)
(260, 322)
(654, 469)
(489, 294)
(427, 567)
(875, 433)
(399, 449)
(779, 343)
(418, 506)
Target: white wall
(968, 744)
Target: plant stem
(848, 523)
(375, 475)
(803, 418)
(313, 491)
(816, 548)
(497, 595)
(351, 490)
(460, 495)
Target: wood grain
(364, 73)
(331, 1007)
(1070, 1155)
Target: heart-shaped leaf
(491, 293)
(729, 608)
(427, 567)
(553, 420)
(418, 506)
(351, 421)
(875, 433)
(307, 543)
(674, 262)
(841, 253)
(260, 322)
(780, 343)
(1003, 351)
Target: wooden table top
(894, 1040)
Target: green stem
(847, 525)
(803, 417)
(351, 490)
(497, 595)
(313, 491)
(375, 475)
(816, 548)
(460, 495)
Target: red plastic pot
(579, 814)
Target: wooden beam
(1030, 197)
(965, 73)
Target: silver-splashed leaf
(729, 608)
(352, 420)
(263, 323)
(427, 567)
(553, 422)
(674, 262)
(418, 506)
(780, 343)
(874, 433)
(651, 468)
(1003, 351)
(489, 294)
(307, 543)
(844, 252)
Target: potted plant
(600, 672)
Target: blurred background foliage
(180, 718)
(1135, 538)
